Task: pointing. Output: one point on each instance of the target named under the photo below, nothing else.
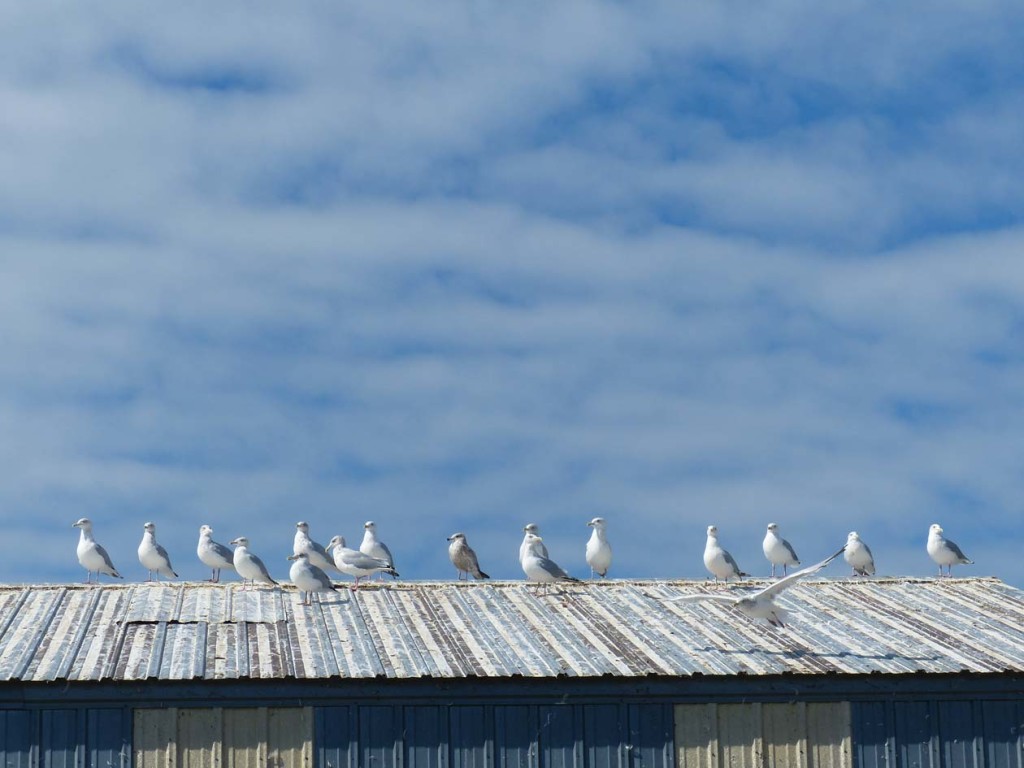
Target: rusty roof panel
(188, 631)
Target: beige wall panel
(290, 736)
(245, 738)
(199, 738)
(155, 738)
(828, 735)
(739, 736)
(785, 734)
(696, 727)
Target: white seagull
(539, 567)
(248, 565)
(945, 552)
(374, 547)
(778, 550)
(717, 560)
(318, 556)
(91, 555)
(308, 578)
(355, 563)
(857, 554)
(531, 529)
(213, 555)
(153, 557)
(761, 604)
(599, 551)
(463, 557)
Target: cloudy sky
(461, 266)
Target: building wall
(552, 733)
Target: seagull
(463, 557)
(761, 604)
(717, 560)
(599, 551)
(308, 577)
(249, 566)
(374, 547)
(91, 555)
(212, 554)
(317, 554)
(857, 554)
(153, 557)
(355, 563)
(945, 552)
(538, 566)
(778, 550)
(531, 529)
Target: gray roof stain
(499, 629)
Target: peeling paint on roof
(500, 629)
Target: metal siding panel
(515, 737)
(200, 732)
(290, 737)
(1003, 727)
(470, 737)
(785, 734)
(244, 737)
(155, 738)
(380, 737)
(336, 742)
(828, 734)
(61, 739)
(651, 740)
(426, 737)
(915, 729)
(873, 743)
(958, 734)
(605, 735)
(17, 738)
(561, 732)
(696, 727)
(739, 735)
(109, 738)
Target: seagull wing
(732, 562)
(221, 551)
(789, 548)
(774, 589)
(697, 598)
(956, 550)
(107, 561)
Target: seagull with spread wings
(761, 604)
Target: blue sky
(466, 266)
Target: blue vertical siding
(426, 737)
(557, 736)
(947, 734)
(336, 737)
(651, 736)
(62, 738)
(108, 738)
(605, 735)
(17, 738)
(472, 737)
(515, 731)
(380, 737)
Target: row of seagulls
(374, 556)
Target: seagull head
(205, 530)
(599, 523)
(370, 525)
(773, 527)
(457, 536)
(336, 541)
(241, 541)
(302, 526)
(935, 530)
(852, 536)
(149, 527)
(300, 556)
(531, 528)
(84, 523)
(712, 530)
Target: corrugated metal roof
(502, 629)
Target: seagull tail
(741, 574)
(391, 572)
(480, 575)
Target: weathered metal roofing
(502, 629)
